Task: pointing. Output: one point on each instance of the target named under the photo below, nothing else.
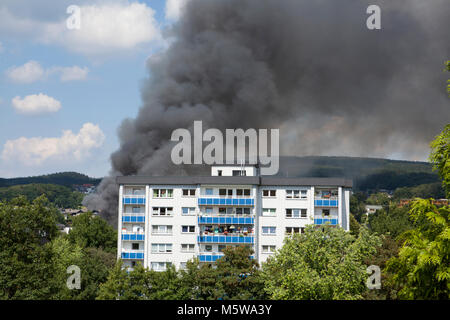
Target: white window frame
(269, 212)
(189, 227)
(190, 247)
(166, 228)
(270, 228)
(159, 193)
(162, 248)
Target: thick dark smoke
(310, 68)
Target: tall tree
(323, 263)
(94, 232)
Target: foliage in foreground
(322, 263)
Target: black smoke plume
(311, 68)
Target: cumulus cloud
(69, 146)
(106, 27)
(174, 8)
(74, 73)
(32, 71)
(29, 72)
(36, 104)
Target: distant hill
(67, 179)
(367, 173)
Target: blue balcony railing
(133, 255)
(225, 220)
(226, 201)
(133, 218)
(133, 199)
(133, 237)
(208, 257)
(212, 257)
(326, 203)
(320, 221)
(225, 239)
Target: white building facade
(170, 220)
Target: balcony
(133, 217)
(246, 201)
(209, 256)
(212, 256)
(133, 199)
(326, 202)
(134, 254)
(226, 220)
(329, 221)
(133, 236)
(226, 239)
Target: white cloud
(106, 27)
(70, 73)
(174, 8)
(69, 146)
(32, 71)
(29, 72)
(36, 104)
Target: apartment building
(170, 220)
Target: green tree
(323, 263)
(440, 157)
(94, 232)
(379, 198)
(26, 271)
(392, 220)
(422, 268)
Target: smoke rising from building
(310, 68)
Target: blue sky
(53, 80)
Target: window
(268, 249)
(162, 211)
(208, 210)
(160, 266)
(222, 211)
(187, 247)
(292, 194)
(209, 191)
(183, 265)
(325, 212)
(161, 248)
(219, 173)
(246, 192)
(292, 230)
(188, 192)
(237, 173)
(133, 263)
(269, 230)
(138, 192)
(221, 247)
(230, 192)
(303, 194)
(222, 192)
(245, 211)
(162, 193)
(208, 248)
(161, 229)
(136, 210)
(188, 210)
(269, 193)
(269, 212)
(135, 246)
(187, 229)
(239, 192)
(296, 213)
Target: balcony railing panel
(133, 236)
(321, 202)
(135, 254)
(320, 221)
(225, 220)
(133, 218)
(133, 199)
(225, 239)
(226, 201)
